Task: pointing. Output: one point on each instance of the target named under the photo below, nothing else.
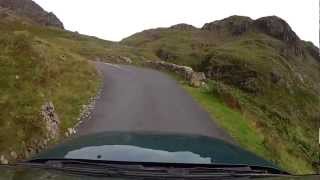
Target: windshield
(214, 84)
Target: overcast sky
(117, 19)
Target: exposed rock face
(236, 25)
(183, 27)
(271, 25)
(235, 75)
(276, 27)
(51, 120)
(33, 11)
(313, 50)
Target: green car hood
(152, 147)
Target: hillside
(259, 68)
(43, 72)
(263, 87)
(31, 10)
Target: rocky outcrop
(51, 133)
(51, 120)
(195, 79)
(270, 25)
(232, 74)
(276, 27)
(313, 50)
(236, 25)
(31, 10)
(183, 27)
(280, 29)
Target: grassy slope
(38, 65)
(244, 128)
(281, 117)
(287, 112)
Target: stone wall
(114, 59)
(195, 79)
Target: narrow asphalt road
(139, 99)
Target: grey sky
(117, 19)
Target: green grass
(33, 71)
(234, 122)
(244, 127)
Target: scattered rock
(85, 113)
(70, 132)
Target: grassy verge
(233, 121)
(244, 128)
(34, 71)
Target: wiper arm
(90, 168)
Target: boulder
(197, 78)
(3, 160)
(13, 154)
(126, 60)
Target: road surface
(139, 99)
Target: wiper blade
(85, 167)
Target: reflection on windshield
(135, 154)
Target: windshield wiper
(147, 170)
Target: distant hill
(261, 65)
(30, 9)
